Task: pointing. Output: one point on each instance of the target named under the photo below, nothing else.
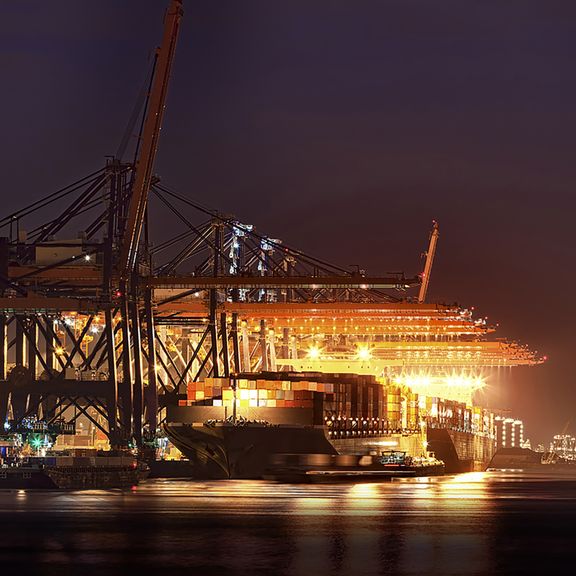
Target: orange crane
(133, 370)
(429, 261)
(149, 143)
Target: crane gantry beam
(272, 282)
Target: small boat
(351, 467)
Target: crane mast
(149, 143)
(429, 261)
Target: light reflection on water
(477, 523)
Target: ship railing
(441, 424)
(347, 433)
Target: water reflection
(400, 526)
(465, 524)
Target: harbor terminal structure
(135, 306)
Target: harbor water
(475, 523)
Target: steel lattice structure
(101, 317)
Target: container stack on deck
(458, 416)
(255, 393)
(350, 404)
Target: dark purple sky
(343, 127)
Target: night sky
(343, 127)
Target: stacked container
(255, 393)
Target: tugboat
(73, 472)
(352, 468)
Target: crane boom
(149, 143)
(429, 261)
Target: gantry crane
(241, 281)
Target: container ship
(329, 377)
(232, 428)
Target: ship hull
(25, 478)
(95, 478)
(516, 459)
(526, 462)
(461, 451)
(244, 452)
(70, 473)
(224, 450)
(229, 451)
